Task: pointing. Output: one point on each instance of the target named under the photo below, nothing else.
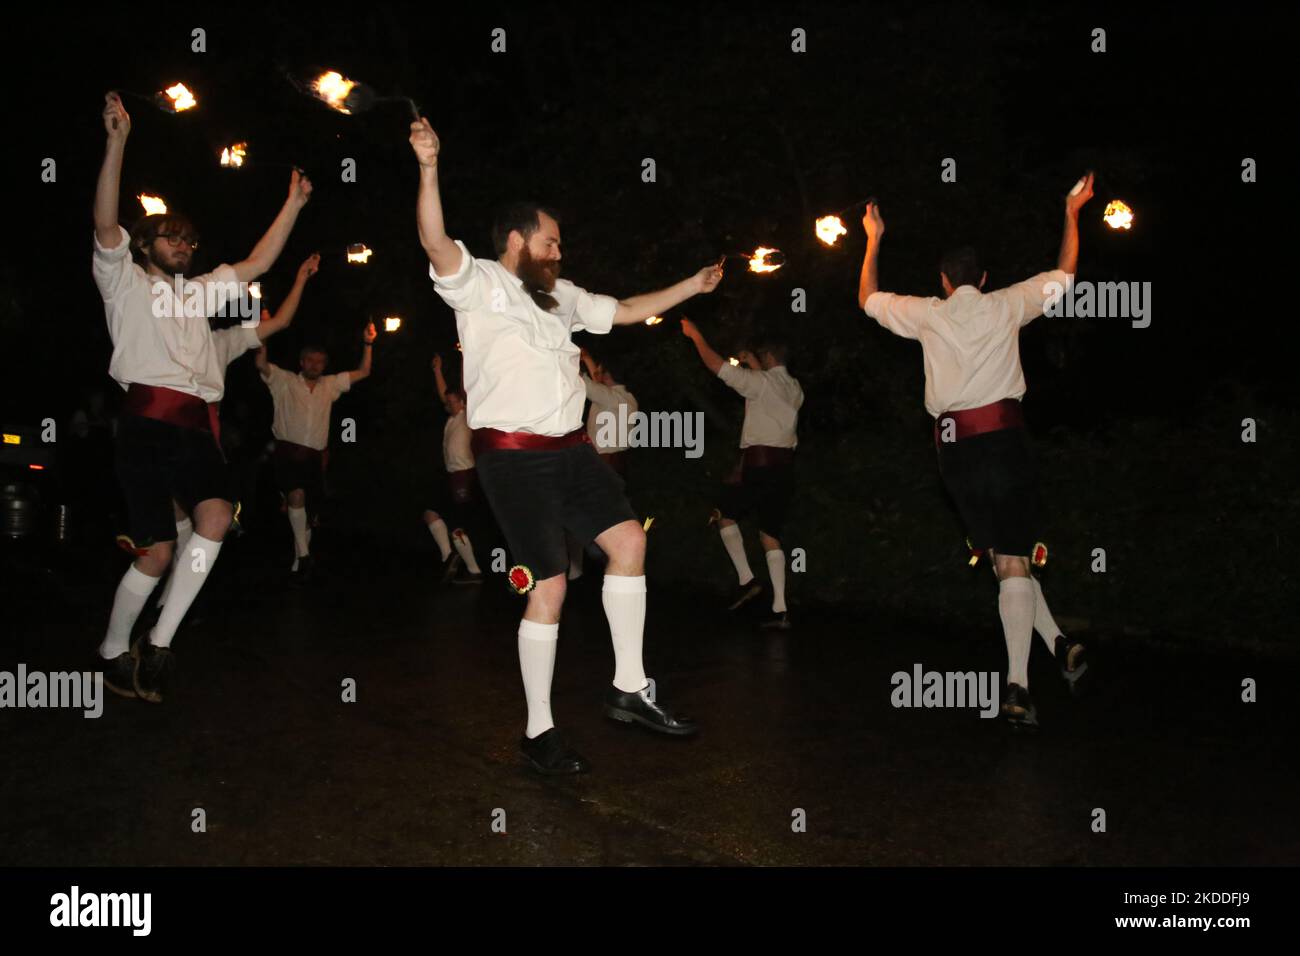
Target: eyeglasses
(176, 240)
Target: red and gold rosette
(714, 517)
(1039, 556)
(130, 547)
(975, 554)
(521, 579)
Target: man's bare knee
(624, 545)
(546, 600)
(212, 518)
(1010, 566)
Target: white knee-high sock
(188, 578)
(298, 521)
(735, 546)
(624, 600)
(438, 528)
(466, 551)
(184, 528)
(537, 643)
(776, 571)
(132, 593)
(1044, 623)
(1016, 608)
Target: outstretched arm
(869, 280)
(262, 362)
(443, 253)
(270, 246)
(363, 370)
(638, 308)
(441, 382)
(1067, 260)
(711, 359)
(268, 327)
(118, 125)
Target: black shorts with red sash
(762, 485)
(988, 469)
(167, 447)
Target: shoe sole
(130, 694)
(627, 717)
(152, 696)
(548, 772)
(745, 599)
(1020, 719)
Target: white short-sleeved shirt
(173, 350)
(233, 342)
(773, 398)
(457, 454)
(608, 399)
(970, 341)
(520, 363)
(302, 413)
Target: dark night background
(1137, 430)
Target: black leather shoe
(1018, 709)
(550, 754)
(745, 593)
(119, 674)
(1072, 658)
(153, 670)
(637, 707)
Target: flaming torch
(359, 253)
(762, 259)
(153, 205)
(1118, 215)
(829, 229)
(176, 99)
(654, 320)
(349, 96)
(733, 361)
(232, 156)
(392, 323)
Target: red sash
(765, 456)
(976, 421)
(487, 439)
(175, 408)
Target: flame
(733, 361)
(358, 252)
(179, 97)
(392, 323)
(333, 88)
(759, 261)
(1118, 215)
(255, 290)
(829, 229)
(654, 320)
(232, 156)
(153, 205)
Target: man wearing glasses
(172, 368)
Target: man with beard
(535, 461)
(165, 358)
(301, 428)
(970, 341)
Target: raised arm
(269, 247)
(363, 370)
(1068, 258)
(441, 382)
(118, 125)
(443, 253)
(638, 308)
(268, 327)
(869, 280)
(711, 359)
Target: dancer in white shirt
(970, 343)
(764, 486)
(465, 508)
(172, 367)
(301, 428)
(535, 461)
